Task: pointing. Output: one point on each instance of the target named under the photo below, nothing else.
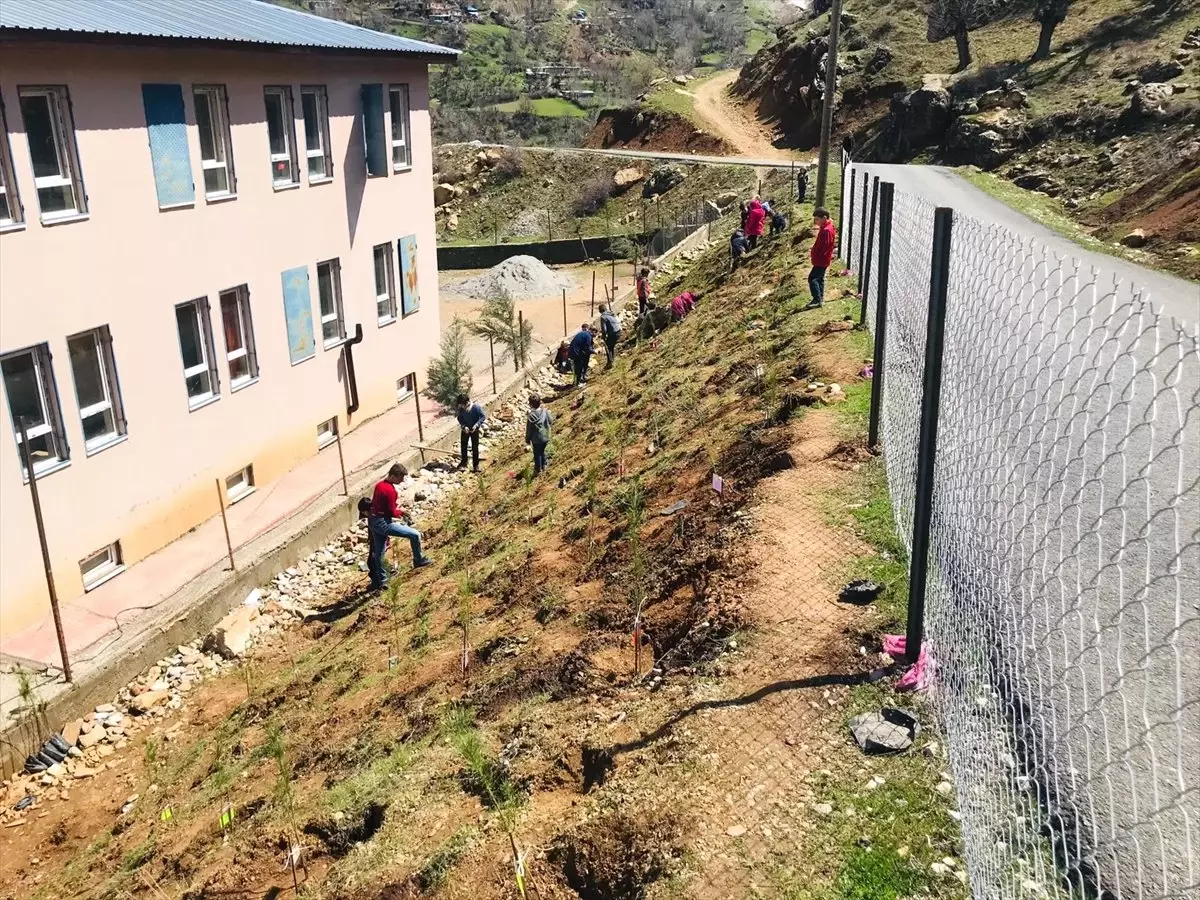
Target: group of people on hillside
(756, 212)
(385, 519)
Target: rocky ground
(1107, 125)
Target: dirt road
(724, 115)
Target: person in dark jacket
(470, 419)
(382, 514)
(582, 348)
(778, 222)
(755, 216)
(537, 432)
(610, 330)
(743, 211)
(821, 256)
(562, 357)
(738, 247)
(802, 184)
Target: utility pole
(835, 25)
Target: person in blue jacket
(470, 419)
(581, 350)
(610, 328)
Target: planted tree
(284, 795)
(449, 373)
(633, 504)
(490, 778)
(499, 322)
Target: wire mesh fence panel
(908, 299)
(1061, 616)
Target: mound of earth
(636, 128)
(520, 277)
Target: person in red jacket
(755, 216)
(821, 256)
(381, 524)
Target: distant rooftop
(236, 22)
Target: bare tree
(1050, 13)
(958, 18)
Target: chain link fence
(1060, 615)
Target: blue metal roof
(241, 21)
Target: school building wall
(128, 263)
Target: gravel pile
(521, 277)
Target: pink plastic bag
(917, 676)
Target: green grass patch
(550, 107)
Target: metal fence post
(848, 246)
(27, 459)
(935, 331)
(886, 198)
(862, 231)
(866, 272)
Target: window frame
(406, 139)
(8, 180)
(112, 402)
(289, 135)
(244, 489)
(203, 317)
(325, 152)
(62, 125)
(406, 387)
(248, 351)
(329, 435)
(218, 116)
(338, 315)
(43, 367)
(390, 297)
(113, 567)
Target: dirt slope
(719, 767)
(722, 113)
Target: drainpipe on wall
(348, 357)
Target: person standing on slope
(755, 216)
(582, 348)
(610, 328)
(381, 525)
(821, 256)
(537, 432)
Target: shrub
(511, 164)
(593, 194)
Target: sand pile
(521, 277)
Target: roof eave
(442, 56)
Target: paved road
(693, 158)
(1172, 296)
(1066, 563)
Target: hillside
(492, 705)
(494, 196)
(1106, 124)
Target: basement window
(240, 485)
(405, 387)
(327, 433)
(101, 566)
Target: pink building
(202, 205)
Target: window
(327, 433)
(385, 284)
(195, 343)
(10, 204)
(329, 290)
(101, 566)
(52, 150)
(32, 396)
(401, 152)
(240, 484)
(405, 387)
(239, 337)
(316, 133)
(216, 158)
(96, 388)
(281, 132)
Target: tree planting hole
(340, 838)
